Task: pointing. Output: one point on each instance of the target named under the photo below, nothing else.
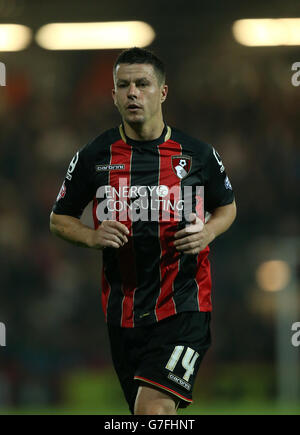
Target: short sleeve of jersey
(217, 189)
(76, 191)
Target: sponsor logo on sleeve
(227, 183)
(218, 158)
(72, 166)
(62, 192)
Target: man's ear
(113, 92)
(164, 93)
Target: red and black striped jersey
(150, 187)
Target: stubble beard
(134, 120)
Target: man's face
(137, 93)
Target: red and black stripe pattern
(148, 280)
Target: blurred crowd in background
(50, 299)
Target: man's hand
(110, 234)
(194, 237)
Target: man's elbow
(234, 210)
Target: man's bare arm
(221, 219)
(109, 233)
(195, 237)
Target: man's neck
(144, 132)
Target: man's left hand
(194, 237)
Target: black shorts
(166, 355)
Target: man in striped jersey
(146, 181)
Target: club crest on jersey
(181, 165)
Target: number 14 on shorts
(188, 361)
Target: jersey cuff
(66, 212)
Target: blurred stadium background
(238, 98)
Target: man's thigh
(165, 356)
(173, 354)
(126, 350)
(153, 401)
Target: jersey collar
(165, 136)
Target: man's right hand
(110, 234)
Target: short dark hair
(140, 55)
